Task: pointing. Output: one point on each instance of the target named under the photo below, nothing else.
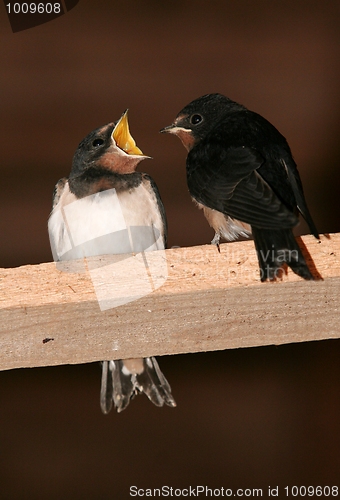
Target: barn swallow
(105, 162)
(241, 172)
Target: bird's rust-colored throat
(184, 134)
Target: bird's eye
(97, 142)
(195, 119)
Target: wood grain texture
(209, 301)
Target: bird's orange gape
(123, 138)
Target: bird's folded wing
(295, 182)
(230, 183)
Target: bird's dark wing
(227, 180)
(160, 205)
(58, 189)
(295, 182)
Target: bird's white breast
(227, 227)
(107, 222)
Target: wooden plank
(209, 301)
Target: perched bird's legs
(216, 241)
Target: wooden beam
(209, 301)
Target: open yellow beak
(123, 138)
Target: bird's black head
(110, 147)
(200, 116)
(91, 149)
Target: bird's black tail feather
(276, 248)
(121, 382)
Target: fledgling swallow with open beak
(106, 161)
(241, 172)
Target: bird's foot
(216, 241)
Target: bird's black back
(242, 128)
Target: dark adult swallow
(241, 172)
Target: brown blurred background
(245, 418)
